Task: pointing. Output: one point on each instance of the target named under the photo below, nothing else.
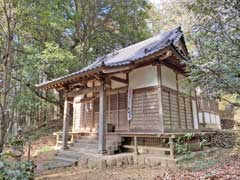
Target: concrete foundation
(102, 162)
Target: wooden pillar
(135, 145)
(102, 120)
(160, 98)
(66, 119)
(178, 102)
(171, 146)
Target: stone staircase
(84, 146)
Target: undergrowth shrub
(12, 164)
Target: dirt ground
(223, 164)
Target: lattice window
(122, 101)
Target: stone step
(64, 159)
(85, 145)
(72, 154)
(83, 150)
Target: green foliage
(45, 149)
(181, 144)
(203, 143)
(199, 162)
(44, 131)
(16, 170)
(16, 142)
(211, 29)
(55, 61)
(215, 66)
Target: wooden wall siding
(175, 117)
(166, 110)
(174, 111)
(123, 123)
(145, 110)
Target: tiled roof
(129, 54)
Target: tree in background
(42, 40)
(212, 32)
(215, 66)
(9, 21)
(64, 36)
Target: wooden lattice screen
(116, 111)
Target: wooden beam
(118, 79)
(86, 99)
(118, 90)
(116, 69)
(166, 55)
(84, 91)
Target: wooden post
(102, 121)
(117, 113)
(66, 119)
(57, 140)
(135, 145)
(171, 145)
(29, 151)
(178, 102)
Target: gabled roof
(126, 55)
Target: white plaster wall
(78, 98)
(218, 119)
(207, 118)
(143, 77)
(200, 115)
(90, 84)
(89, 94)
(213, 120)
(195, 115)
(168, 78)
(115, 84)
